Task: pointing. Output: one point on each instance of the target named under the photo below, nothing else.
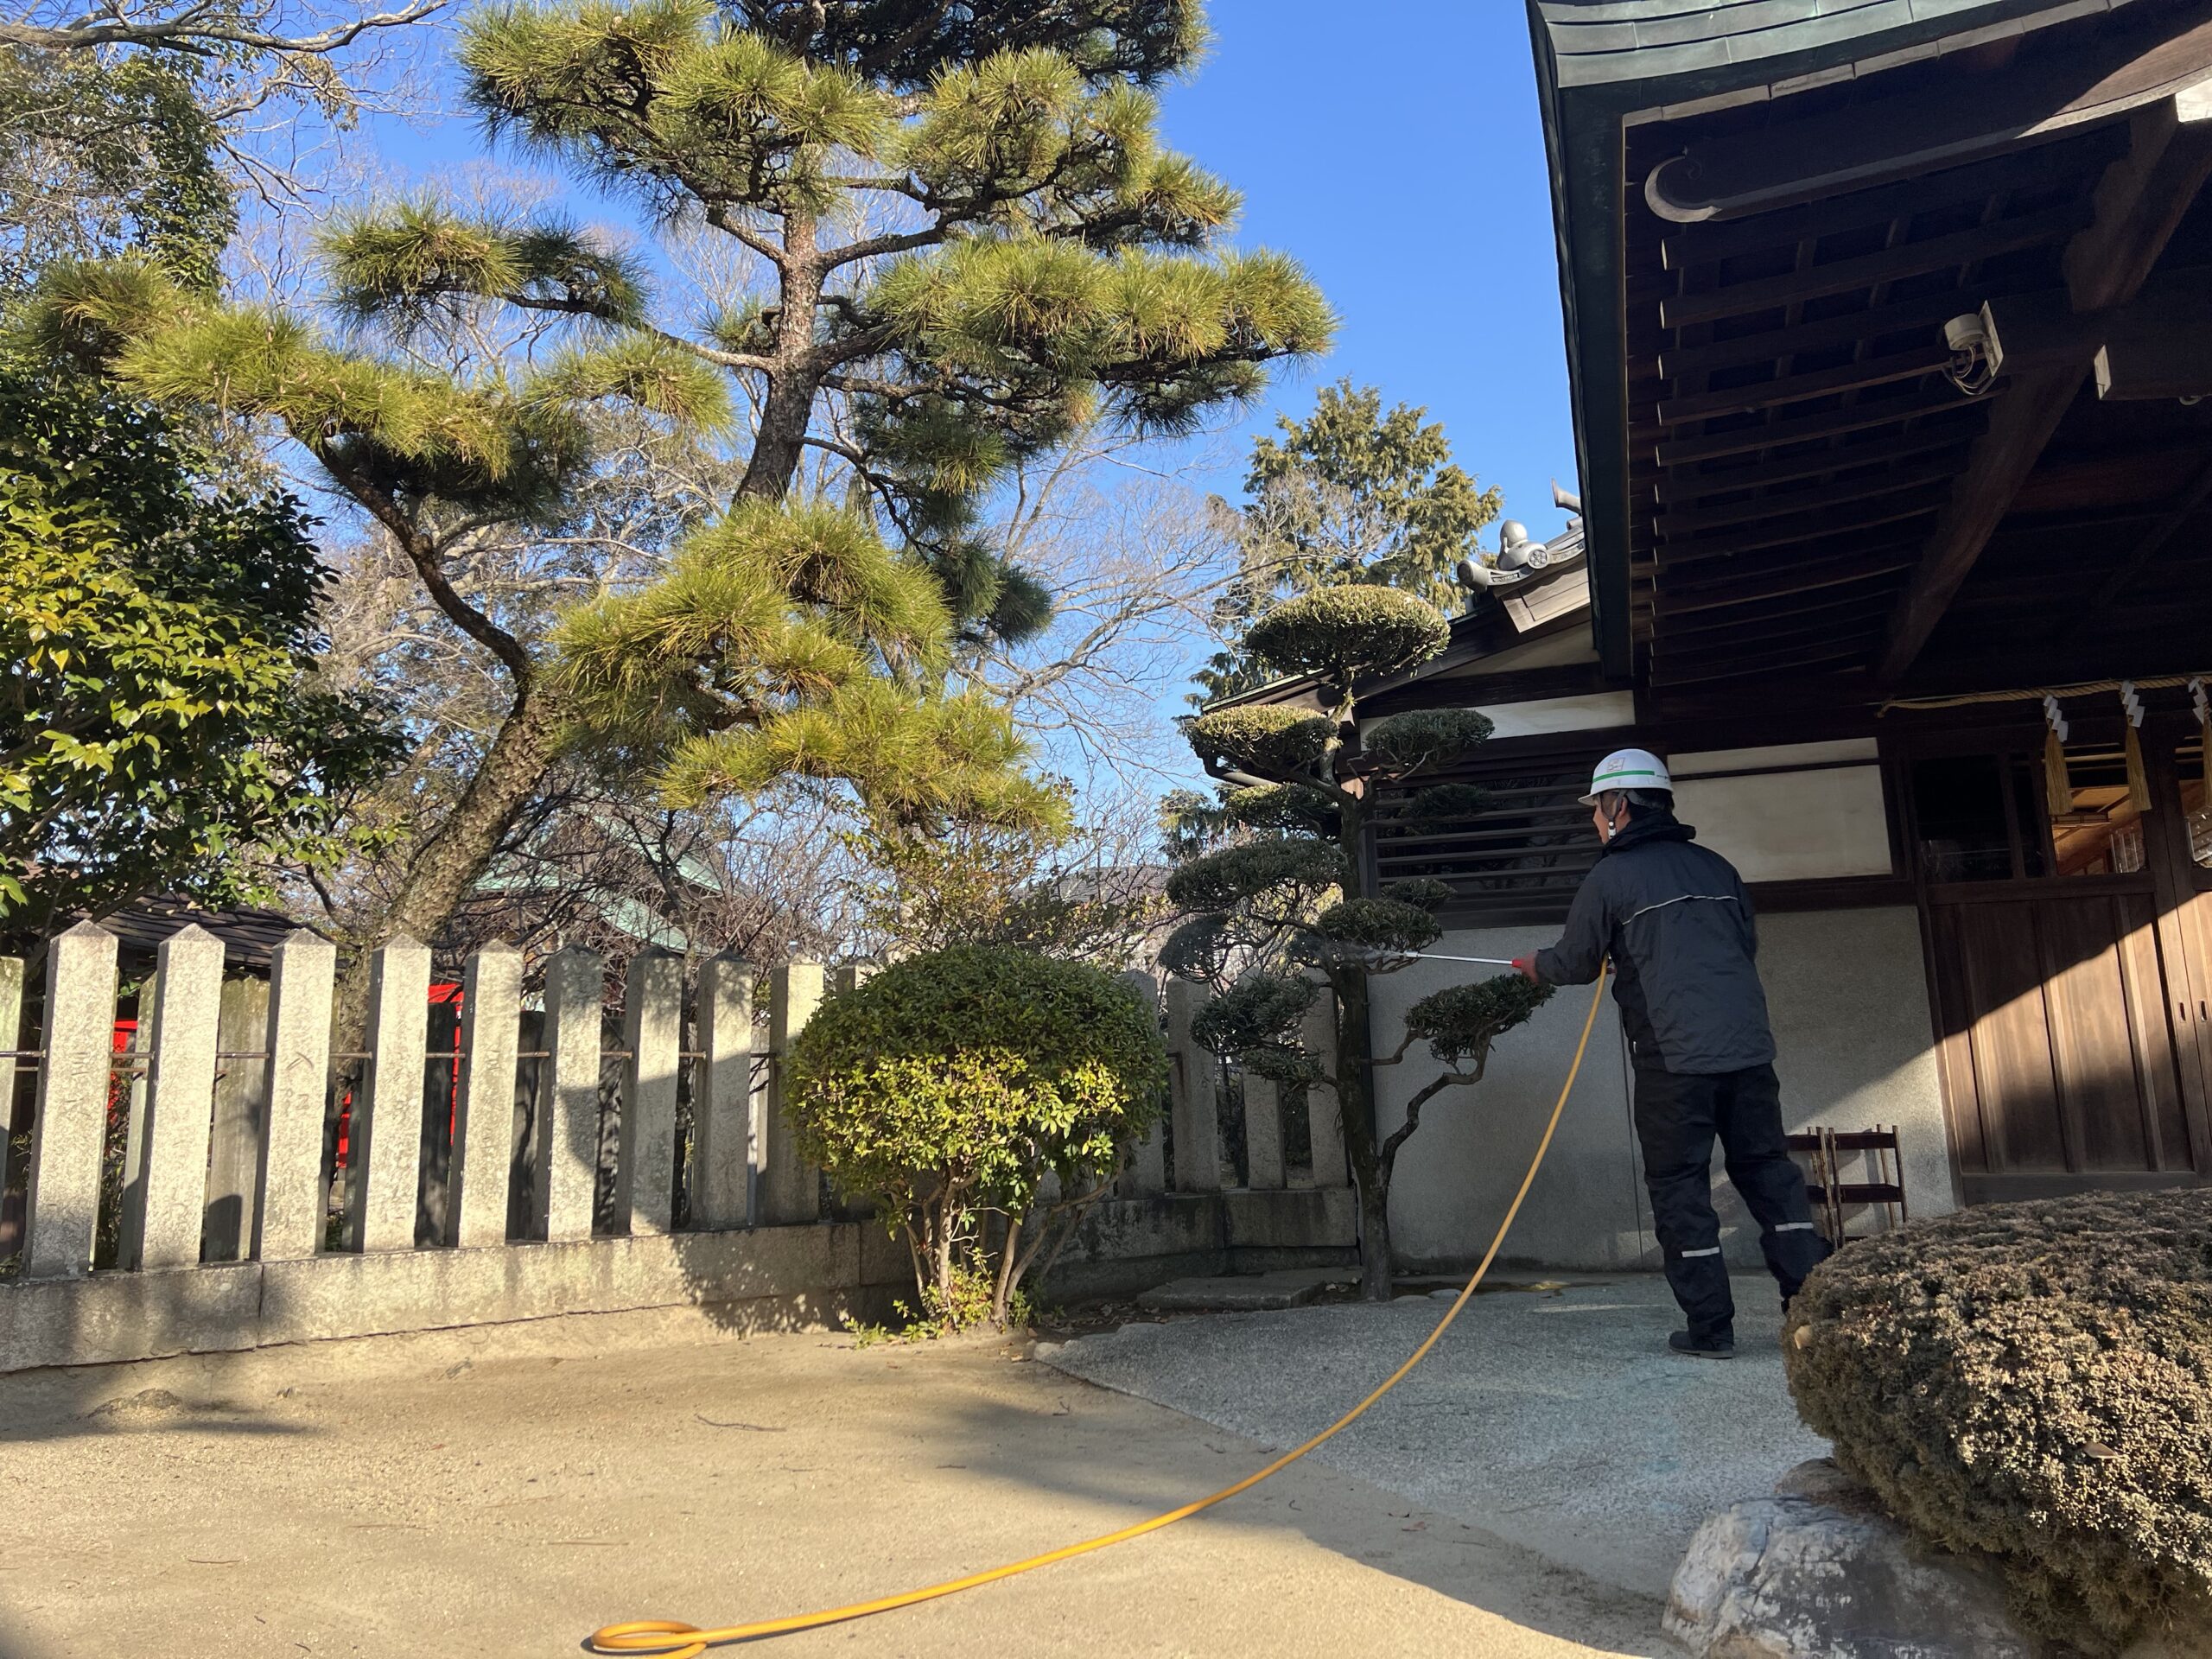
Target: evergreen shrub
(947, 1085)
(2033, 1382)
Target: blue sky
(1398, 157)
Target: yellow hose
(675, 1640)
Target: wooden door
(2064, 961)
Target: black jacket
(1677, 923)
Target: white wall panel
(1792, 826)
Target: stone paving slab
(1553, 1416)
(1244, 1293)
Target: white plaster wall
(1789, 826)
(1847, 992)
(1459, 1171)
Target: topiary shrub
(946, 1087)
(1420, 737)
(2033, 1382)
(1266, 740)
(1384, 924)
(1229, 877)
(1459, 1022)
(1339, 632)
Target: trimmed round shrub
(1262, 739)
(1444, 803)
(1200, 947)
(1459, 1023)
(1257, 1019)
(1423, 737)
(1282, 807)
(1340, 633)
(950, 1083)
(2033, 1382)
(1223, 879)
(1423, 890)
(1379, 923)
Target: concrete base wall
(769, 1278)
(1130, 1246)
(1847, 991)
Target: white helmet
(1628, 769)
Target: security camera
(1976, 355)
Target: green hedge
(2033, 1382)
(980, 1067)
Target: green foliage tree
(1274, 881)
(105, 156)
(434, 459)
(163, 728)
(1350, 495)
(967, 238)
(786, 641)
(947, 1087)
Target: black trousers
(1678, 1115)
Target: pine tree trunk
(447, 863)
(780, 443)
(793, 384)
(1355, 1106)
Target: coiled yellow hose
(675, 1640)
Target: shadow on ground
(506, 1492)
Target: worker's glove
(1526, 967)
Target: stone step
(1244, 1293)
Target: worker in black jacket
(1675, 920)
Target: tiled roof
(249, 936)
(1598, 41)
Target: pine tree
(968, 240)
(780, 642)
(1275, 879)
(1350, 494)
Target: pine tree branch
(714, 355)
(428, 566)
(926, 19)
(718, 215)
(890, 242)
(1388, 1154)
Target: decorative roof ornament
(1519, 558)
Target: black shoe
(1686, 1342)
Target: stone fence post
(385, 1144)
(484, 1115)
(652, 1028)
(289, 1196)
(241, 1118)
(722, 1108)
(1191, 1071)
(791, 1187)
(567, 1102)
(1146, 1175)
(181, 1089)
(63, 1198)
(1323, 1119)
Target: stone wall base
(761, 1279)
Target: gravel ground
(1555, 1417)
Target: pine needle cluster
(960, 263)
